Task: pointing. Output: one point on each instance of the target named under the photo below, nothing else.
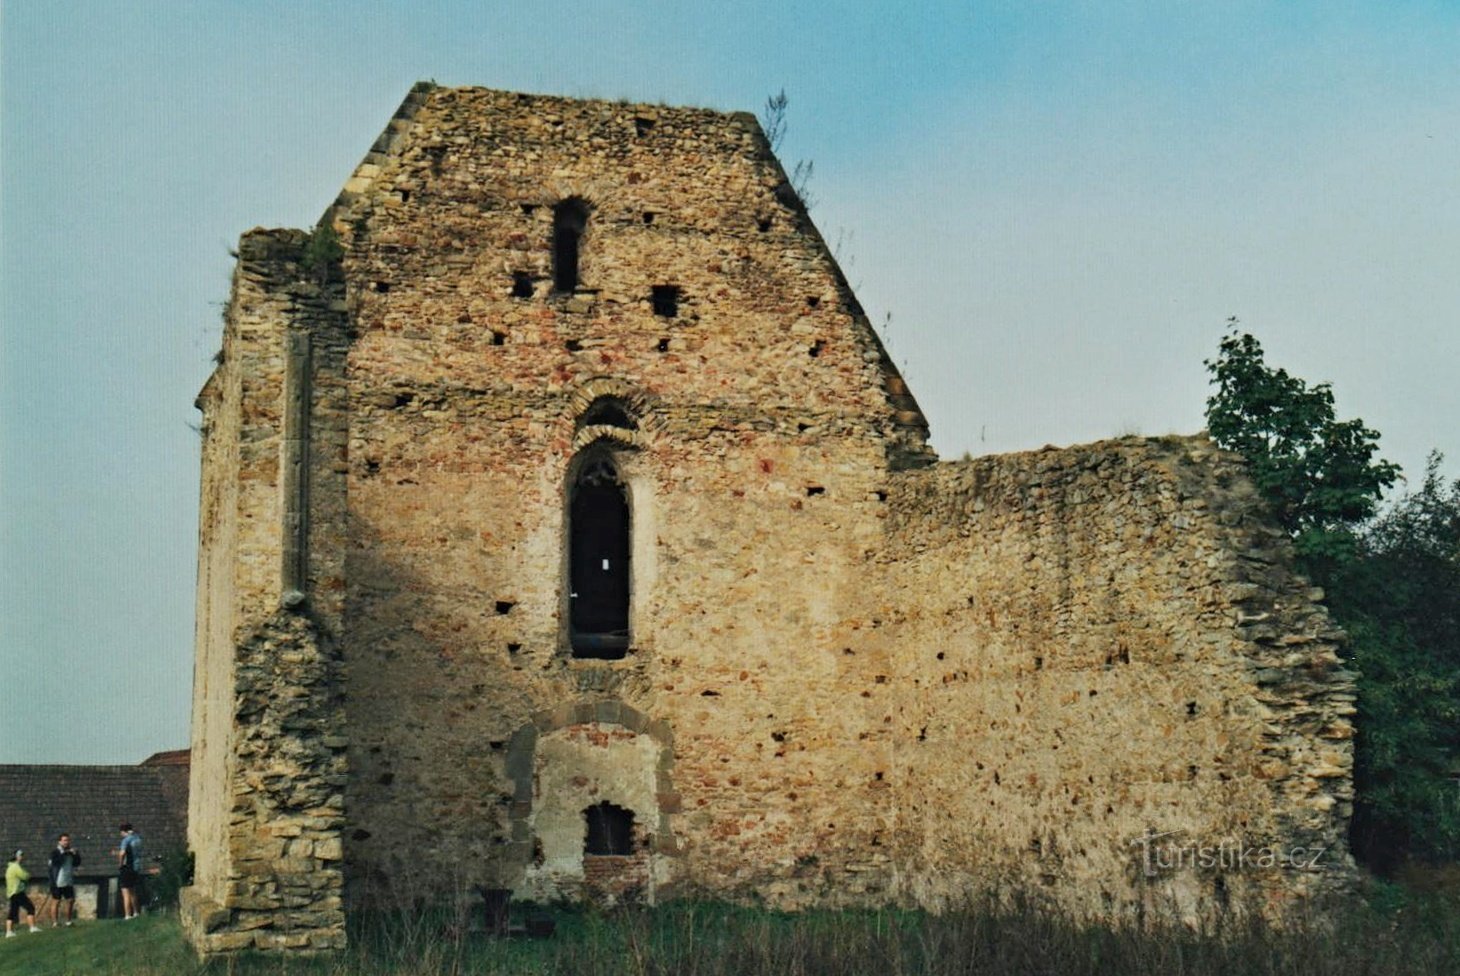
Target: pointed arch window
(598, 559)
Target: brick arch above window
(637, 406)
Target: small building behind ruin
(39, 802)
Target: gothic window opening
(570, 220)
(610, 829)
(598, 562)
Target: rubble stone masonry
(1111, 641)
(853, 675)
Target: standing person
(15, 879)
(129, 863)
(65, 859)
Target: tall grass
(1418, 936)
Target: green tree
(1392, 581)
(322, 251)
(1399, 600)
(1320, 474)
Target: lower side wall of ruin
(1087, 677)
(286, 792)
(1115, 695)
(267, 787)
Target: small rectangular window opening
(610, 830)
(665, 299)
(570, 222)
(521, 284)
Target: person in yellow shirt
(15, 879)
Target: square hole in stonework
(665, 299)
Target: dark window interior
(610, 829)
(607, 411)
(598, 561)
(570, 220)
(665, 299)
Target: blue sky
(1059, 204)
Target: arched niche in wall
(608, 410)
(592, 783)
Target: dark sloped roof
(89, 802)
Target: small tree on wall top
(1320, 474)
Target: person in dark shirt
(65, 859)
(129, 873)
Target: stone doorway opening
(593, 799)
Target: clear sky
(1059, 205)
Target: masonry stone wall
(854, 676)
(212, 717)
(766, 412)
(267, 778)
(1101, 643)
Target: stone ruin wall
(786, 728)
(267, 778)
(212, 666)
(767, 417)
(1094, 643)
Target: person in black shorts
(129, 871)
(65, 859)
(15, 878)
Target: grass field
(1421, 936)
